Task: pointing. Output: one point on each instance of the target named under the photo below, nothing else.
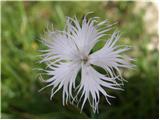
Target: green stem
(92, 114)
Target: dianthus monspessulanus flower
(69, 52)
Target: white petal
(87, 35)
(91, 85)
(110, 58)
(60, 47)
(63, 75)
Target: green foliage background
(22, 25)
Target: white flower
(69, 52)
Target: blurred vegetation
(22, 25)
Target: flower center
(84, 59)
